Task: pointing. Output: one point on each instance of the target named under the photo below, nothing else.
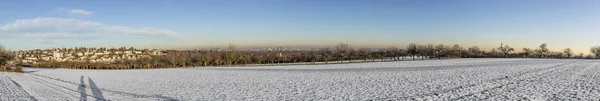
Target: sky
(191, 24)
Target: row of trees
(340, 53)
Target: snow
(453, 79)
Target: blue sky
(188, 24)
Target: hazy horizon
(40, 24)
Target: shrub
(15, 69)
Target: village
(84, 54)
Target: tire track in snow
(57, 87)
(20, 87)
(523, 81)
(451, 92)
(132, 95)
(12, 91)
(578, 81)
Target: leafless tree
(440, 51)
(412, 49)
(422, 50)
(568, 52)
(326, 54)
(456, 51)
(596, 51)
(430, 50)
(505, 49)
(392, 53)
(343, 51)
(543, 51)
(364, 53)
(527, 52)
(475, 52)
(6, 59)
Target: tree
(353, 55)
(231, 47)
(343, 51)
(430, 51)
(401, 53)
(5, 57)
(173, 58)
(422, 51)
(256, 59)
(206, 58)
(230, 57)
(412, 50)
(440, 51)
(380, 54)
(543, 51)
(456, 51)
(391, 52)
(505, 49)
(596, 51)
(475, 52)
(568, 52)
(364, 53)
(314, 56)
(527, 52)
(215, 57)
(326, 54)
(493, 53)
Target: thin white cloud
(79, 12)
(52, 28)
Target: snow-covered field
(455, 79)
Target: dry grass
(16, 69)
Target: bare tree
(412, 49)
(5, 58)
(596, 51)
(440, 51)
(543, 51)
(392, 53)
(422, 51)
(430, 50)
(381, 53)
(231, 47)
(493, 53)
(343, 51)
(326, 54)
(364, 53)
(456, 50)
(401, 53)
(527, 52)
(314, 56)
(568, 52)
(476, 51)
(505, 49)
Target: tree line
(341, 53)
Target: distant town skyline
(191, 24)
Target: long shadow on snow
(81, 88)
(95, 91)
(413, 68)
